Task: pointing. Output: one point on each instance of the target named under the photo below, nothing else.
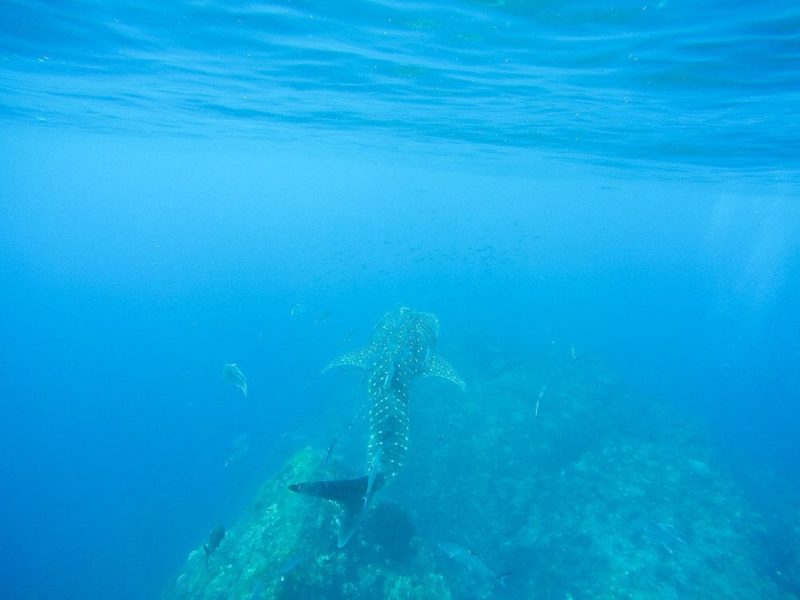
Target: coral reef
(283, 549)
(594, 493)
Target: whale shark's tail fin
(353, 495)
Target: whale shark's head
(412, 325)
(427, 329)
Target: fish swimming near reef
(214, 538)
(464, 557)
(237, 449)
(401, 348)
(663, 535)
(322, 318)
(234, 374)
(291, 562)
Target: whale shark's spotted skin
(400, 349)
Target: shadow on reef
(780, 559)
(584, 490)
(389, 531)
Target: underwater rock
(566, 493)
(281, 550)
(428, 587)
(257, 546)
(598, 497)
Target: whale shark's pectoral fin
(353, 495)
(351, 360)
(439, 367)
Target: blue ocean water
(189, 184)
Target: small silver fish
(472, 563)
(234, 374)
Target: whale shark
(401, 348)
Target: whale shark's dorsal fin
(352, 360)
(439, 367)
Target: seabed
(598, 493)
